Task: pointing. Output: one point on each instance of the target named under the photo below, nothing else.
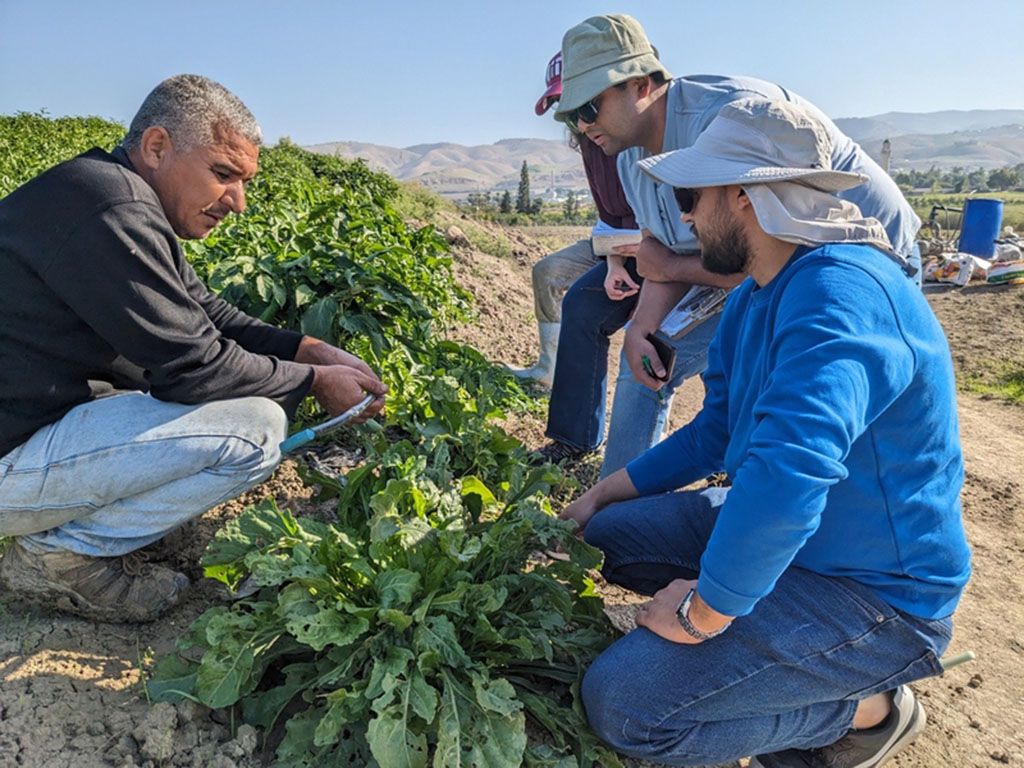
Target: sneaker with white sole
(126, 588)
(867, 748)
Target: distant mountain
(989, 138)
(455, 170)
(950, 121)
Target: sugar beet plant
(420, 628)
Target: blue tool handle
(297, 440)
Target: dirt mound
(71, 693)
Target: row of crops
(422, 626)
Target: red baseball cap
(554, 81)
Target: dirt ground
(71, 693)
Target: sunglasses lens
(588, 112)
(685, 199)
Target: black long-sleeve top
(96, 298)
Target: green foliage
(417, 202)
(321, 249)
(961, 180)
(417, 623)
(31, 142)
(1005, 381)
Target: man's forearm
(688, 269)
(616, 487)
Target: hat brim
(551, 95)
(578, 89)
(692, 168)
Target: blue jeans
(576, 413)
(787, 675)
(118, 473)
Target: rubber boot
(544, 371)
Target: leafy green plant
(420, 624)
(32, 142)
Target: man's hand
(339, 387)
(618, 284)
(654, 260)
(580, 512)
(659, 615)
(316, 352)
(616, 487)
(637, 346)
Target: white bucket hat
(755, 141)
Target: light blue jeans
(118, 473)
(639, 415)
(788, 675)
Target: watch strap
(683, 615)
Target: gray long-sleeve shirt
(96, 297)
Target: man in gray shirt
(132, 399)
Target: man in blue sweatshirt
(789, 610)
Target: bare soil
(71, 693)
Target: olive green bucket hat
(601, 52)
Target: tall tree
(523, 195)
(572, 207)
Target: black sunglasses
(587, 113)
(686, 198)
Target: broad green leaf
(396, 587)
(395, 739)
(222, 677)
(171, 679)
(303, 295)
(470, 736)
(495, 694)
(318, 320)
(397, 619)
(329, 626)
(437, 633)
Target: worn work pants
(119, 473)
(789, 674)
(553, 275)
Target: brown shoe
(126, 588)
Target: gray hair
(188, 107)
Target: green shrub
(31, 142)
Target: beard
(726, 253)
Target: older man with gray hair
(789, 610)
(132, 399)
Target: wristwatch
(683, 614)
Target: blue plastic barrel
(982, 220)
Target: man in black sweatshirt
(132, 399)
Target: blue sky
(402, 73)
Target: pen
(649, 370)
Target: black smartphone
(666, 353)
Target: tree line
(502, 206)
(959, 179)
